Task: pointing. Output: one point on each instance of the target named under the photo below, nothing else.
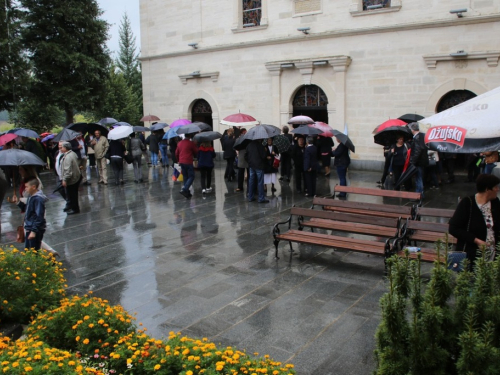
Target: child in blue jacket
(34, 218)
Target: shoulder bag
(456, 259)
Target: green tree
(128, 62)
(66, 45)
(13, 63)
(118, 100)
(33, 115)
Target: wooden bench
(434, 212)
(424, 234)
(416, 197)
(384, 230)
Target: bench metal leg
(276, 242)
(291, 248)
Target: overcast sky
(113, 13)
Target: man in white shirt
(82, 160)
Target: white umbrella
(120, 132)
(470, 127)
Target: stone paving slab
(206, 267)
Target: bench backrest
(428, 226)
(435, 212)
(344, 217)
(404, 211)
(378, 192)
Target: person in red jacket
(185, 152)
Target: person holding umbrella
(185, 153)
(206, 155)
(341, 163)
(100, 145)
(136, 148)
(310, 166)
(229, 153)
(256, 157)
(71, 177)
(398, 154)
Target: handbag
(456, 259)
(432, 161)
(276, 162)
(390, 180)
(129, 158)
(20, 234)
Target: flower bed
(30, 282)
(86, 335)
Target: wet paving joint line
(306, 345)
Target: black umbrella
(107, 121)
(78, 127)
(188, 129)
(262, 131)
(158, 126)
(390, 135)
(282, 143)
(410, 171)
(344, 139)
(411, 117)
(21, 132)
(207, 136)
(92, 127)
(306, 130)
(241, 143)
(65, 135)
(15, 157)
(204, 127)
(141, 129)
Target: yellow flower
(28, 369)
(116, 356)
(189, 372)
(86, 341)
(91, 325)
(33, 274)
(77, 338)
(71, 363)
(86, 317)
(157, 367)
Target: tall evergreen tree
(13, 63)
(66, 42)
(128, 61)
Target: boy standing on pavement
(34, 218)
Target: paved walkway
(206, 267)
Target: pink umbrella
(301, 120)
(6, 138)
(239, 119)
(325, 128)
(179, 122)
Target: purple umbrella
(179, 122)
(48, 138)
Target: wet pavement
(206, 267)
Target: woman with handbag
(476, 221)
(272, 165)
(399, 152)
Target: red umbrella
(150, 118)
(179, 122)
(6, 138)
(325, 128)
(388, 123)
(239, 119)
(301, 120)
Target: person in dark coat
(476, 221)
(154, 148)
(341, 163)
(256, 157)
(325, 145)
(310, 166)
(298, 159)
(172, 146)
(418, 156)
(206, 155)
(286, 157)
(117, 152)
(398, 153)
(229, 154)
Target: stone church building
(350, 63)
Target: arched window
(202, 111)
(454, 98)
(311, 101)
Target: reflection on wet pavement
(206, 267)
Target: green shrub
(30, 282)
(451, 326)
(82, 324)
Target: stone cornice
(333, 34)
(491, 58)
(213, 75)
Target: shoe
(122, 182)
(66, 209)
(264, 201)
(72, 212)
(86, 183)
(209, 190)
(141, 180)
(273, 190)
(281, 179)
(251, 200)
(379, 182)
(203, 191)
(238, 190)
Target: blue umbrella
(121, 123)
(24, 132)
(171, 133)
(107, 120)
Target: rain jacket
(206, 157)
(186, 151)
(70, 170)
(34, 218)
(341, 155)
(418, 155)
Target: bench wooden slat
(424, 236)
(435, 212)
(427, 226)
(335, 204)
(336, 216)
(360, 228)
(426, 256)
(365, 246)
(377, 192)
